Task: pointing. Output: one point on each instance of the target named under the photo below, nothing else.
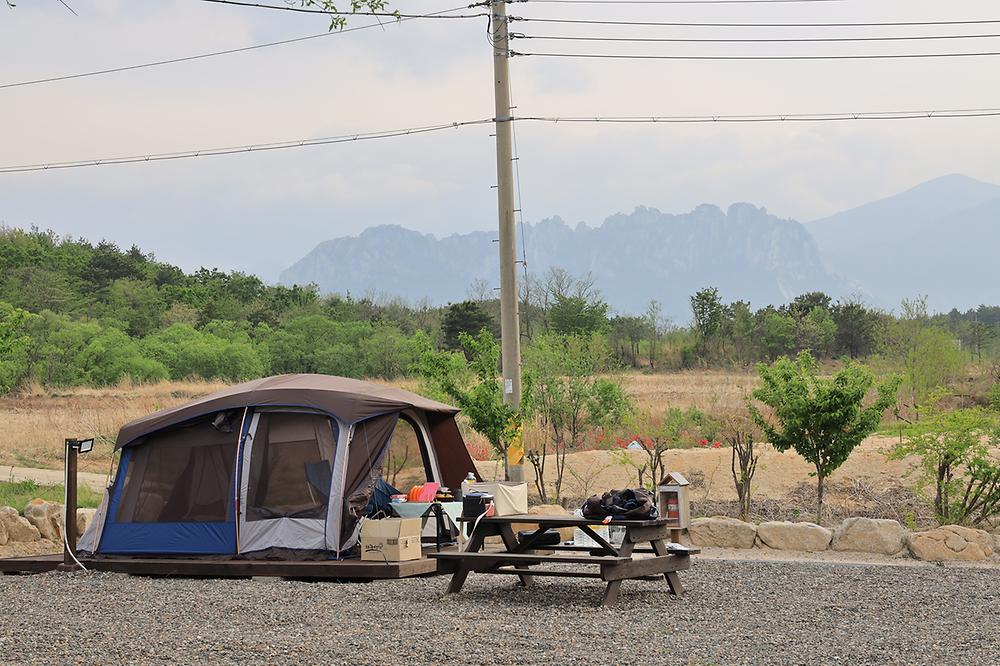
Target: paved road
(51, 477)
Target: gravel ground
(733, 613)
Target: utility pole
(510, 328)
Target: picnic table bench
(616, 563)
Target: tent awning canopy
(350, 400)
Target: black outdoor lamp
(74, 447)
(81, 445)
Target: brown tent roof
(351, 400)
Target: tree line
(78, 313)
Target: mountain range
(939, 238)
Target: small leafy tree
(708, 312)
(823, 419)
(666, 433)
(740, 437)
(954, 457)
(475, 387)
(570, 398)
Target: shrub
(955, 459)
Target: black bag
(628, 504)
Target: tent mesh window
(183, 474)
(291, 465)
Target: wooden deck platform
(208, 568)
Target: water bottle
(467, 482)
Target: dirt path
(52, 477)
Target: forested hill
(633, 259)
(76, 313)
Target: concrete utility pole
(510, 327)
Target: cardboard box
(509, 498)
(391, 540)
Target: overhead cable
(212, 54)
(856, 56)
(672, 2)
(307, 10)
(750, 25)
(254, 148)
(363, 136)
(766, 40)
(772, 118)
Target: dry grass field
(37, 420)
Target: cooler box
(391, 539)
(509, 498)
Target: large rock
(950, 542)
(3, 535)
(870, 535)
(565, 533)
(785, 535)
(18, 528)
(47, 517)
(84, 517)
(722, 532)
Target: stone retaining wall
(863, 535)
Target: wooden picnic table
(616, 563)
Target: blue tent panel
(169, 538)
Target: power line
(750, 25)
(672, 2)
(212, 54)
(306, 10)
(365, 136)
(518, 35)
(772, 118)
(253, 148)
(879, 56)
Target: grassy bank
(19, 493)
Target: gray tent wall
(260, 532)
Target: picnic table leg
(611, 592)
(458, 578)
(462, 569)
(510, 543)
(673, 580)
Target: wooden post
(69, 546)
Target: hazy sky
(262, 212)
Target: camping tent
(272, 465)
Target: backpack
(628, 504)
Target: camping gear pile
(628, 504)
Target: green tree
(803, 304)
(823, 419)
(473, 383)
(955, 459)
(465, 317)
(858, 329)
(815, 330)
(571, 397)
(706, 306)
(15, 342)
(577, 315)
(777, 333)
